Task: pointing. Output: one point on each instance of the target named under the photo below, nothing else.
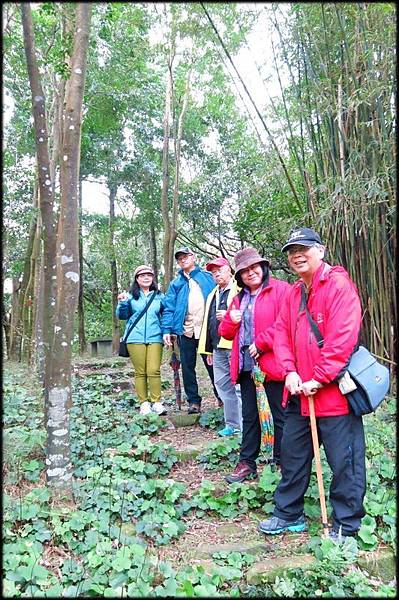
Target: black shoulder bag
(368, 381)
(123, 351)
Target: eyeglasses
(184, 257)
(299, 248)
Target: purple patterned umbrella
(175, 364)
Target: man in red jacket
(313, 368)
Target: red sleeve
(265, 339)
(227, 328)
(341, 330)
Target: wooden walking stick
(319, 473)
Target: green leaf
(206, 590)
(121, 563)
(113, 592)
(118, 580)
(10, 590)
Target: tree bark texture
(165, 175)
(15, 332)
(59, 467)
(29, 304)
(153, 250)
(46, 189)
(60, 253)
(38, 303)
(81, 314)
(175, 204)
(113, 189)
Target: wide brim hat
(302, 237)
(246, 257)
(141, 269)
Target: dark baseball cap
(182, 250)
(302, 237)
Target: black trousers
(251, 430)
(188, 359)
(344, 445)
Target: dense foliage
(126, 505)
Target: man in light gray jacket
(216, 348)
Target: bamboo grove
(338, 121)
(353, 149)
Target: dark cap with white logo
(302, 237)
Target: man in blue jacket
(184, 307)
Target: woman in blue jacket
(145, 341)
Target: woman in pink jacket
(249, 322)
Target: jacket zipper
(145, 322)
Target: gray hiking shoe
(337, 536)
(275, 525)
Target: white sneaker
(158, 408)
(145, 408)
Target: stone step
(236, 539)
(244, 546)
(266, 571)
(379, 563)
(182, 419)
(190, 452)
(106, 363)
(122, 384)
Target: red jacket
(335, 307)
(267, 306)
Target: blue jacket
(176, 299)
(148, 330)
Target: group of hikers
(242, 318)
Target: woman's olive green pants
(146, 360)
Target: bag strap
(315, 329)
(147, 306)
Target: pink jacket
(267, 306)
(335, 307)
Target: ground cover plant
(127, 506)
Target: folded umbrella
(175, 364)
(265, 415)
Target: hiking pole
(319, 473)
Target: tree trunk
(30, 306)
(38, 304)
(113, 189)
(153, 250)
(46, 189)
(25, 299)
(59, 467)
(6, 321)
(175, 204)
(81, 314)
(15, 333)
(59, 310)
(165, 175)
